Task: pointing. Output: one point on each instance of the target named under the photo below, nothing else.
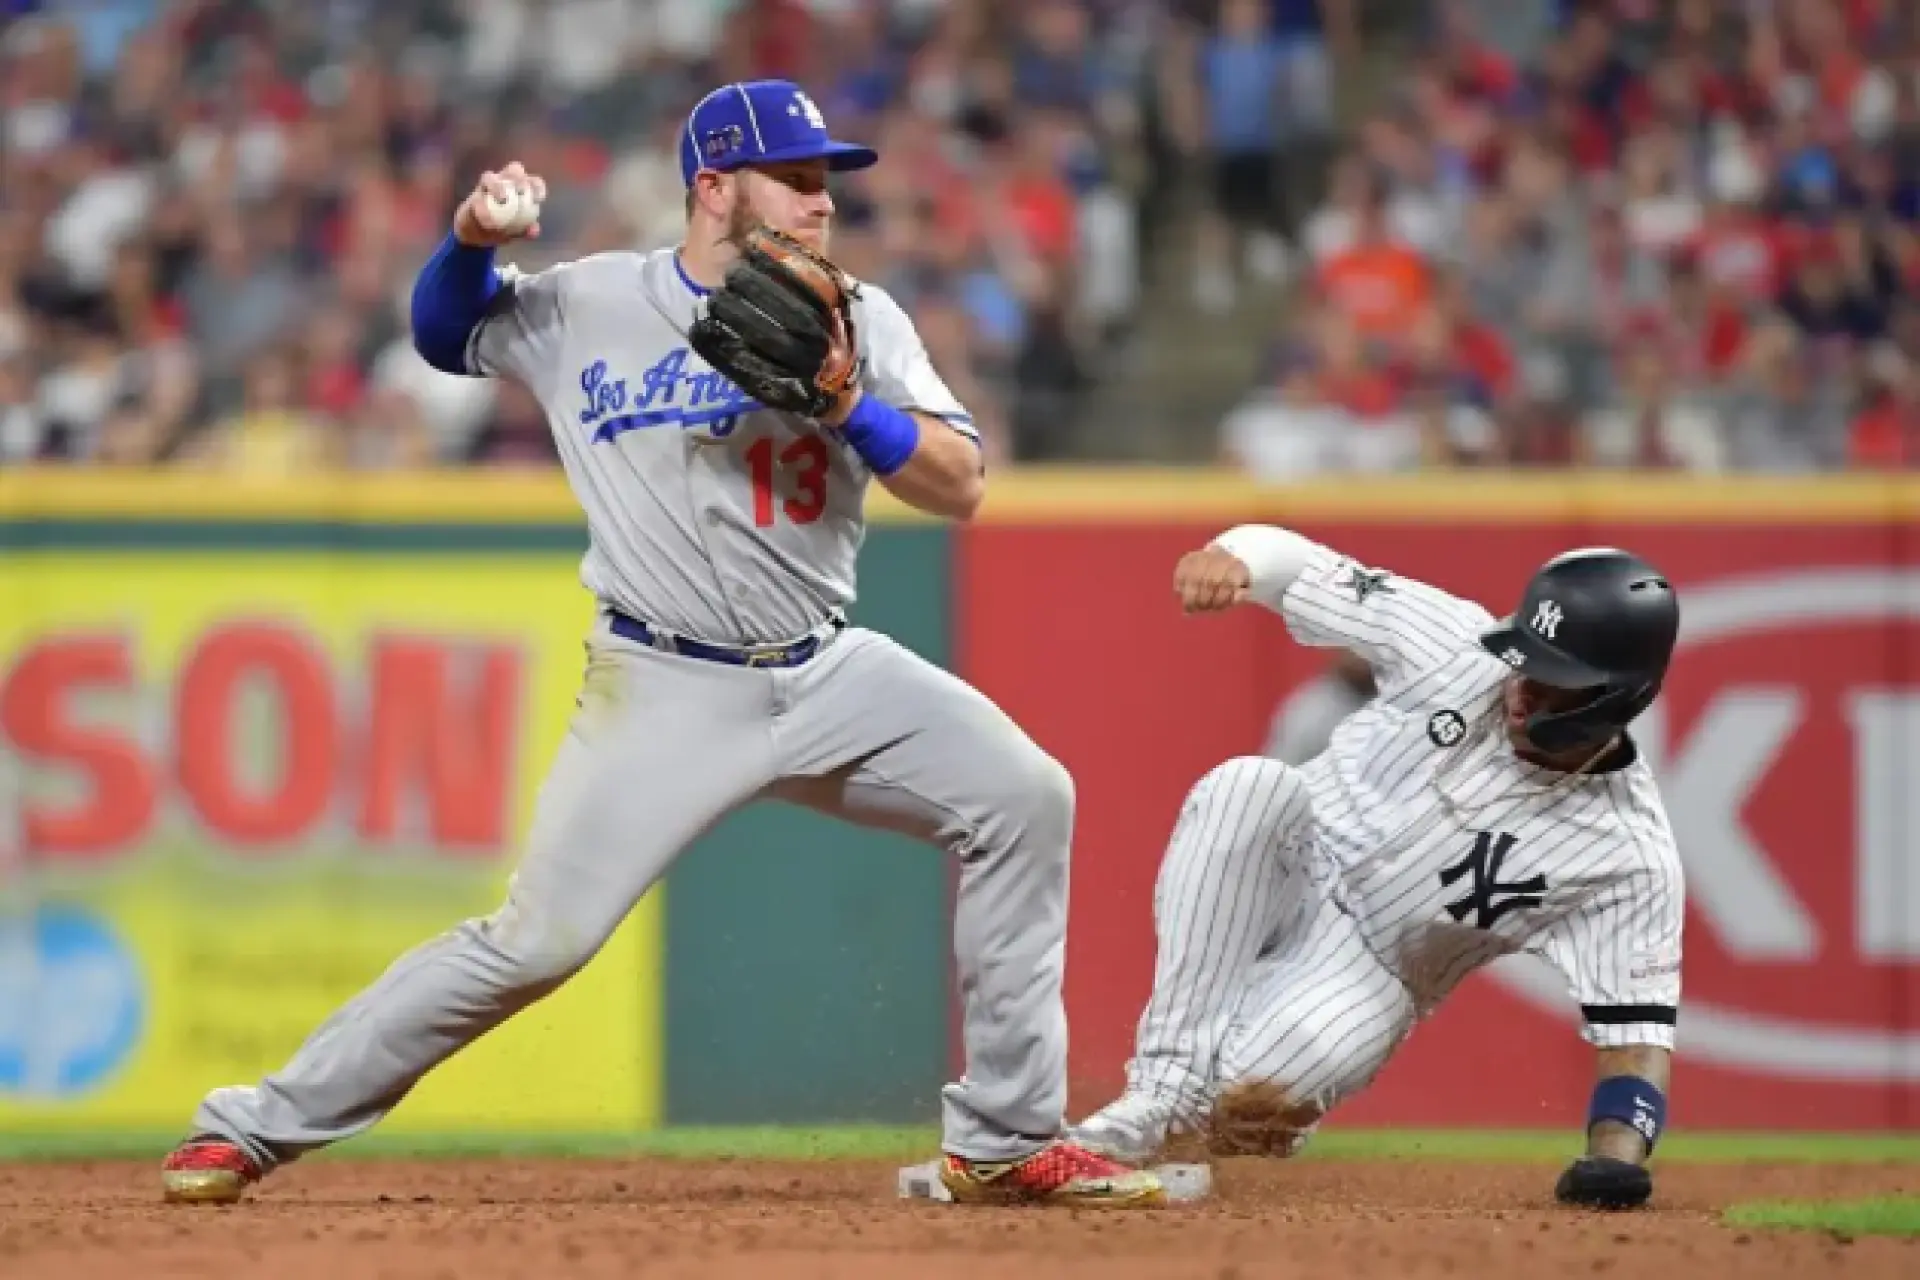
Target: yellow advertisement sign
(236, 786)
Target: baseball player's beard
(744, 218)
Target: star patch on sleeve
(1363, 582)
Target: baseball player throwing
(1488, 801)
(720, 410)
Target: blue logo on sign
(72, 1005)
(667, 395)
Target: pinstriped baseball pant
(1258, 974)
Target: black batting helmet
(1597, 618)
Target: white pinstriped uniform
(1309, 917)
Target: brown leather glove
(781, 326)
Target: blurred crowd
(1657, 233)
(211, 211)
(1612, 233)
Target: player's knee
(1255, 777)
(1284, 1065)
(545, 967)
(1314, 1052)
(536, 949)
(1267, 797)
(1035, 794)
(1284, 1054)
(1048, 796)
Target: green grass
(911, 1143)
(1882, 1216)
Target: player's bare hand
(1211, 579)
(503, 206)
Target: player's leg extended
(1234, 865)
(660, 748)
(885, 739)
(1320, 1019)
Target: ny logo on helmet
(1546, 619)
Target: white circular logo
(1446, 728)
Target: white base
(922, 1182)
(1185, 1183)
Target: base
(1185, 1183)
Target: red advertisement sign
(1787, 745)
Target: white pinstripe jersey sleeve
(1402, 627)
(1620, 955)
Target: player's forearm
(1274, 558)
(1617, 1137)
(450, 297)
(919, 459)
(1624, 1122)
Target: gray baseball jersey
(726, 523)
(706, 514)
(1308, 917)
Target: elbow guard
(1274, 556)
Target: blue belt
(772, 655)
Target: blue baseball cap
(762, 122)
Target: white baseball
(509, 213)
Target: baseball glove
(781, 326)
(1601, 1182)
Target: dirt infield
(527, 1219)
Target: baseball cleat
(1133, 1128)
(207, 1170)
(1061, 1173)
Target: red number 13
(806, 458)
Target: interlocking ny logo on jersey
(667, 395)
(1488, 899)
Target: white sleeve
(899, 370)
(1402, 627)
(523, 326)
(1620, 955)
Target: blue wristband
(883, 436)
(1632, 1101)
